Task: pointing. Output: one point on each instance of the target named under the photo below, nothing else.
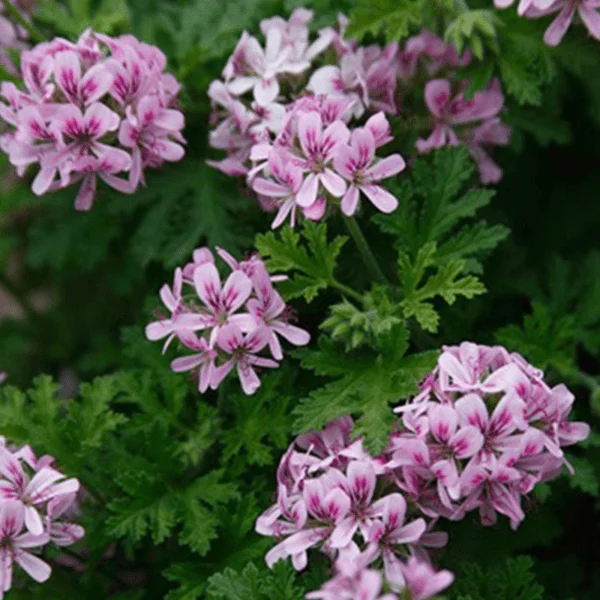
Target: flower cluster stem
(365, 251)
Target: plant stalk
(365, 251)
(33, 32)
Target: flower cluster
(474, 123)
(35, 499)
(226, 326)
(13, 36)
(484, 430)
(334, 496)
(564, 11)
(302, 120)
(100, 107)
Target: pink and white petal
(30, 540)
(187, 363)
(307, 195)
(394, 511)
(380, 198)
(236, 291)
(591, 19)
(350, 201)
(361, 481)
(159, 330)
(266, 91)
(451, 367)
(443, 422)
(315, 211)
(299, 561)
(466, 442)
(387, 167)
(333, 183)
(12, 517)
(230, 338)
(35, 567)
(437, 96)
(335, 135)
(67, 73)
(363, 144)
(33, 521)
(291, 333)
(169, 119)
(344, 532)
(208, 285)
(283, 213)
(249, 380)
(472, 410)
(219, 373)
(95, 83)
(326, 81)
(43, 181)
(555, 33)
(87, 193)
(392, 567)
(310, 128)
(241, 85)
(99, 119)
(269, 188)
(11, 468)
(244, 321)
(409, 534)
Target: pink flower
(318, 151)
(151, 133)
(288, 181)
(63, 533)
(243, 351)
(203, 360)
(34, 492)
(390, 531)
(77, 96)
(356, 163)
(178, 322)
(78, 88)
(268, 309)
(222, 302)
(228, 323)
(422, 581)
(14, 545)
(455, 120)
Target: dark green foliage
(514, 580)
(175, 480)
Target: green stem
(365, 251)
(344, 289)
(35, 35)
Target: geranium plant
(299, 300)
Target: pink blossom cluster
(12, 35)
(332, 495)
(485, 429)
(303, 121)
(101, 107)
(564, 12)
(226, 325)
(35, 500)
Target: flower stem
(344, 289)
(35, 35)
(19, 296)
(364, 250)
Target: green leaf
(446, 282)
(585, 477)
(514, 580)
(394, 19)
(312, 262)
(474, 29)
(255, 584)
(366, 389)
